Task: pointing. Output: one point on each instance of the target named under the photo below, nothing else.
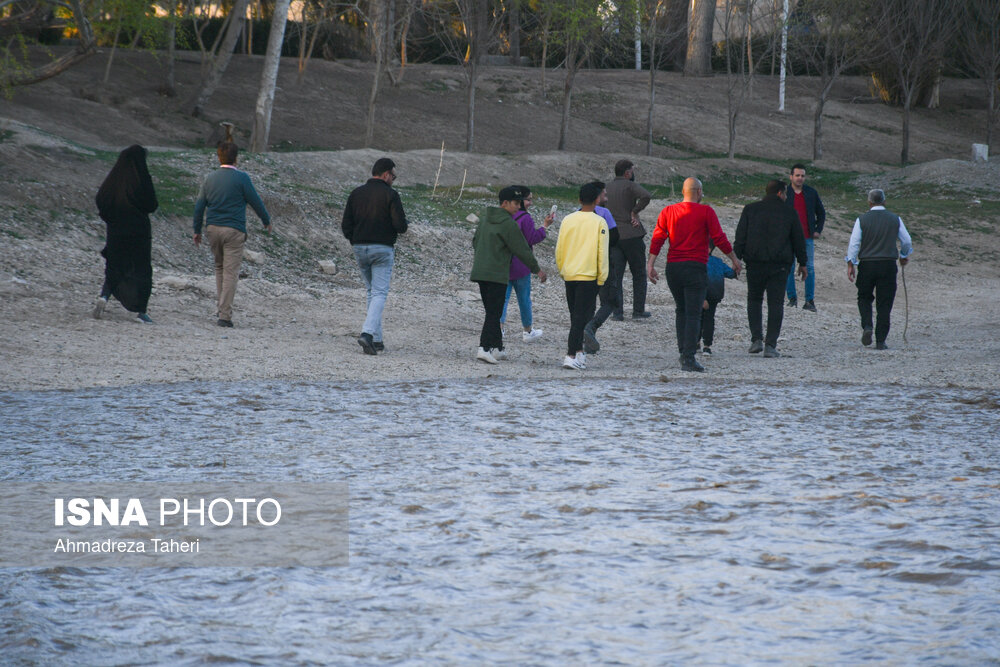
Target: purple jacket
(532, 235)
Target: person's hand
(542, 276)
(704, 306)
(652, 274)
(737, 267)
(267, 229)
(903, 261)
(197, 239)
(850, 271)
(549, 219)
(815, 235)
(635, 219)
(803, 272)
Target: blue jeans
(522, 287)
(375, 261)
(810, 277)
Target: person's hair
(600, 187)
(589, 192)
(227, 152)
(876, 197)
(382, 165)
(510, 193)
(797, 165)
(622, 166)
(774, 187)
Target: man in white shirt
(872, 250)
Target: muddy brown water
(554, 522)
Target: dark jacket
(815, 213)
(373, 214)
(626, 197)
(498, 238)
(769, 232)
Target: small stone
(328, 267)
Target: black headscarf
(127, 194)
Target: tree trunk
(991, 112)
(379, 34)
(652, 87)
(470, 118)
(545, 55)
(904, 155)
(404, 31)
(269, 78)
(818, 130)
(699, 51)
(514, 15)
(114, 47)
(221, 60)
(170, 79)
(571, 67)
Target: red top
(800, 208)
(688, 226)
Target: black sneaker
(225, 323)
(706, 350)
(379, 346)
(810, 306)
(618, 317)
(770, 352)
(866, 337)
(880, 345)
(792, 302)
(642, 316)
(756, 346)
(691, 364)
(590, 344)
(366, 343)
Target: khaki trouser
(227, 247)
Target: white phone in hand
(552, 211)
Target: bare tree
(467, 29)
(579, 24)
(699, 49)
(739, 66)
(912, 35)
(269, 78)
(829, 36)
(86, 47)
(237, 16)
(980, 38)
(661, 33)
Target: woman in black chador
(125, 200)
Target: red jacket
(688, 226)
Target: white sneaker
(484, 355)
(581, 359)
(528, 336)
(498, 354)
(571, 362)
(99, 307)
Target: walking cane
(906, 301)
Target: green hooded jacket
(497, 238)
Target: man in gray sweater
(224, 196)
(873, 251)
(626, 199)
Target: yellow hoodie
(582, 247)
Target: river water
(555, 522)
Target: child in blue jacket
(718, 271)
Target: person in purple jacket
(520, 275)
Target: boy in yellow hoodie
(582, 258)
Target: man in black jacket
(807, 205)
(373, 218)
(768, 239)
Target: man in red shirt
(809, 207)
(688, 226)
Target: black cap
(510, 193)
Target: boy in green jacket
(497, 238)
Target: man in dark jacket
(373, 218)
(808, 207)
(626, 199)
(769, 239)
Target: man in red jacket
(688, 225)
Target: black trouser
(581, 297)
(770, 278)
(611, 291)
(688, 283)
(708, 322)
(876, 282)
(633, 253)
(493, 295)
